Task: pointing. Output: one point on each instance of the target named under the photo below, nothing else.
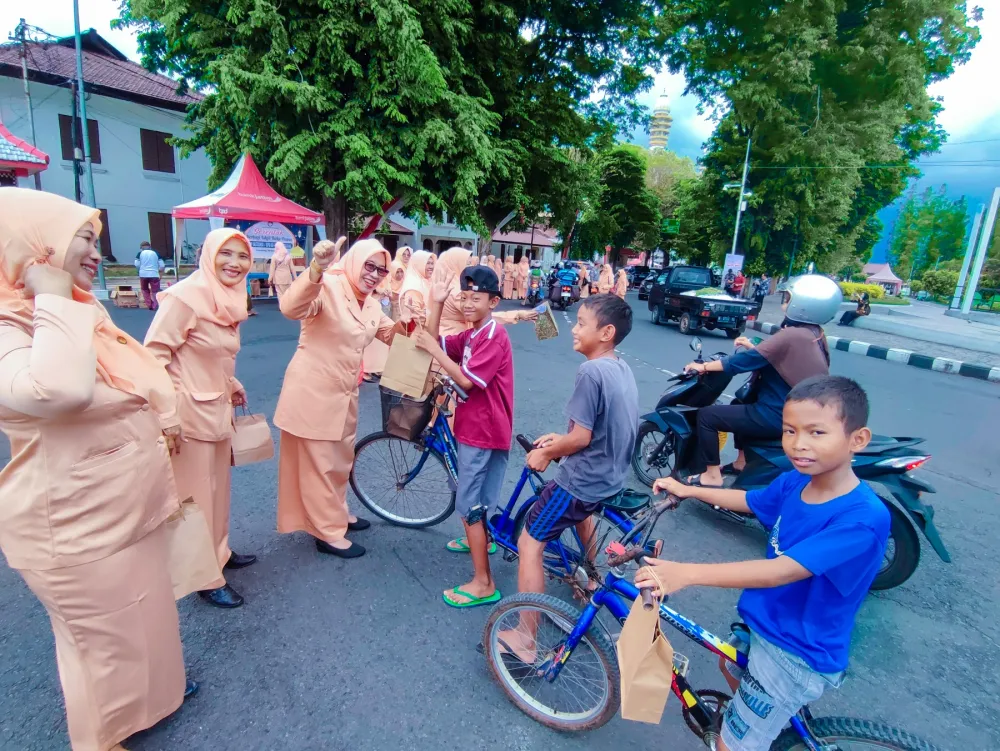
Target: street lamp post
(743, 195)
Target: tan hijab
(352, 265)
(33, 223)
(404, 254)
(416, 286)
(391, 284)
(204, 292)
(452, 263)
(607, 277)
(472, 261)
(524, 268)
(280, 253)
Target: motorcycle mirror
(696, 344)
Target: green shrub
(850, 289)
(940, 283)
(916, 286)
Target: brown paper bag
(191, 557)
(406, 368)
(646, 662)
(252, 441)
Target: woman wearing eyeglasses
(318, 408)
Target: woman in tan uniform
(584, 283)
(508, 279)
(606, 282)
(415, 293)
(282, 272)
(90, 415)
(195, 334)
(318, 407)
(523, 271)
(621, 284)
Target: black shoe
(190, 689)
(237, 560)
(223, 597)
(359, 526)
(355, 551)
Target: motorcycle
(667, 446)
(534, 295)
(563, 295)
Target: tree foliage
(833, 94)
(930, 229)
(620, 211)
(454, 105)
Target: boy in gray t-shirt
(604, 418)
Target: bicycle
(427, 464)
(575, 650)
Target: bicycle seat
(627, 501)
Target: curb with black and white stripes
(904, 356)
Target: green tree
(833, 96)
(455, 106)
(929, 230)
(665, 171)
(621, 211)
(940, 283)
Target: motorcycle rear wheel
(649, 437)
(902, 553)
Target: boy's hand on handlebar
(538, 460)
(670, 574)
(546, 440)
(672, 487)
(742, 341)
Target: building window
(157, 154)
(66, 136)
(428, 245)
(106, 236)
(161, 234)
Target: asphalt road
(364, 655)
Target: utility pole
(984, 244)
(77, 151)
(82, 93)
(743, 194)
(19, 32)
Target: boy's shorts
(774, 686)
(555, 511)
(480, 478)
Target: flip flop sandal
(694, 481)
(461, 545)
(474, 602)
(730, 469)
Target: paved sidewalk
(771, 313)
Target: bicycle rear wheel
(850, 734)
(587, 692)
(382, 464)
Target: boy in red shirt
(480, 361)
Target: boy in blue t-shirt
(828, 536)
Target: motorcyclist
(797, 352)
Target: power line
(985, 163)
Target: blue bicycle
(573, 682)
(407, 474)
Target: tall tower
(659, 125)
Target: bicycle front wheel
(849, 734)
(585, 695)
(403, 482)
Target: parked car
(647, 284)
(636, 275)
(672, 298)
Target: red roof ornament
(20, 156)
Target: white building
(138, 177)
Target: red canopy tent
(244, 195)
(18, 157)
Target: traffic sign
(671, 226)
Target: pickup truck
(682, 293)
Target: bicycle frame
(440, 438)
(616, 595)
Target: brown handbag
(191, 557)
(646, 663)
(252, 441)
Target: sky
(970, 97)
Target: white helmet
(813, 298)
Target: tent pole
(178, 240)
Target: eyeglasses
(371, 268)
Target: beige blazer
(281, 273)
(89, 472)
(200, 357)
(321, 381)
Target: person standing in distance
(150, 267)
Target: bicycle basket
(404, 417)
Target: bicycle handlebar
(525, 443)
(450, 384)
